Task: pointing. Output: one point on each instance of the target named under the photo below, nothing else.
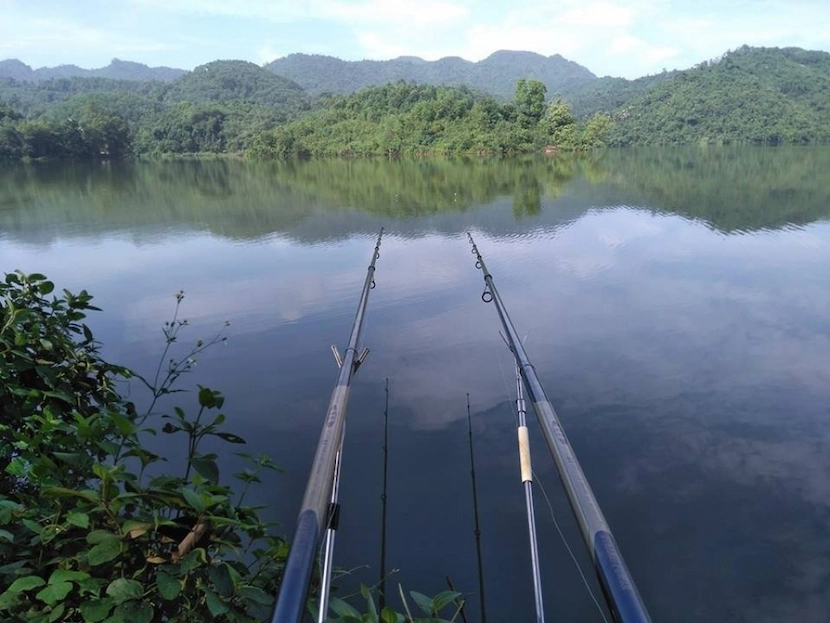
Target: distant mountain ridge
(116, 70)
(497, 74)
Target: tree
(530, 100)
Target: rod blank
(618, 586)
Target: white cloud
(35, 33)
(628, 44)
(398, 12)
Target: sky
(628, 38)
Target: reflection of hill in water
(730, 189)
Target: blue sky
(627, 38)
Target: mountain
(497, 74)
(15, 69)
(116, 70)
(749, 95)
(235, 81)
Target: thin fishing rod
(475, 513)
(382, 598)
(618, 586)
(527, 483)
(331, 531)
(319, 507)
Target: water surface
(675, 303)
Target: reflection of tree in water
(527, 196)
(244, 199)
(731, 189)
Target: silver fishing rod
(527, 482)
(618, 586)
(320, 510)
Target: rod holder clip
(359, 361)
(337, 356)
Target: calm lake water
(677, 307)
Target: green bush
(87, 531)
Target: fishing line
(568, 547)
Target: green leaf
(8, 536)
(135, 612)
(32, 525)
(341, 608)
(442, 600)
(73, 458)
(104, 552)
(67, 575)
(25, 584)
(192, 560)
(95, 611)
(206, 398)
(423, 602)
(169, 587)
(46, 287)
(256, 595)
(57, 612)
(220, 575)
(206, 468)
(54, 592)
(215, 604)
(122, 589)
(387, 615)
(194, 499)
(230, 437)
(99, 536)
(78, 519)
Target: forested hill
(497, 74)
(235, 80)
(750, 95)
(116, 70)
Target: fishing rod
(475, 513)
(382, 598)
(618, 586)
(527, 483)
(320, 510)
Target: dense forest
(407, 119)
(749, 95)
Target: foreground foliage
(91, 528)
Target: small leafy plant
(430, 607)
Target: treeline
(217, 108)
(763, 96)
(410, 119)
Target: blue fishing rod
(618, 586)
(320, 510)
